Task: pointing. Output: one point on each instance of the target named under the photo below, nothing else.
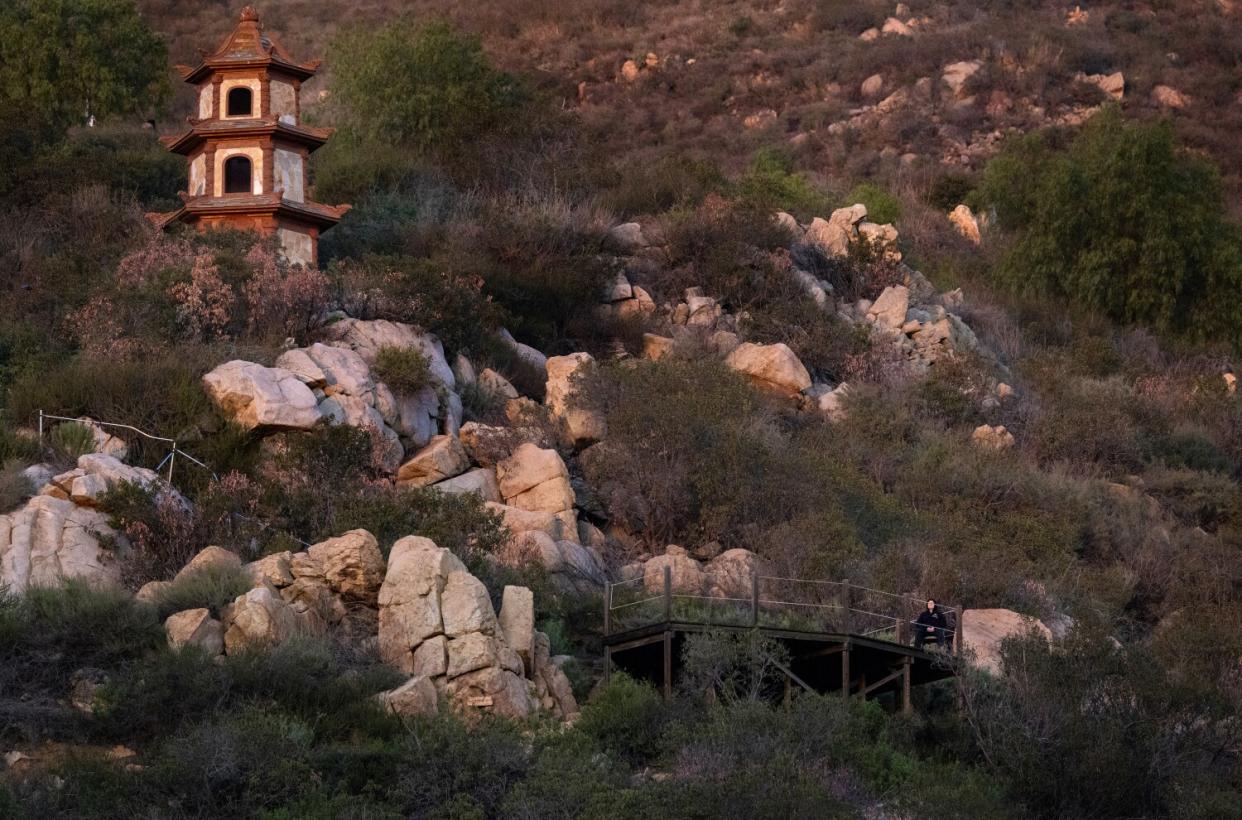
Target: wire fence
(165, 448)
(771, 602)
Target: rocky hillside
(285, 541)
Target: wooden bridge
(840, 637)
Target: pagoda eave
(188, 140)
(199, 72)
(273, 205)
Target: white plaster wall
(256, 167)
(198, 175)
(204, 101)
(295, 246)
(289, 174)
(245, 82)
(284, 101)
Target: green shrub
(15, 488)
(733, 666)
(1093, 224)
(212, 587)
(627, 719)
(771, 183)
(71, 440)
(404, 369)
(882, 207)
(949, 191)
(653, 186)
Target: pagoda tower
(247, 147)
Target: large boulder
(255, 396)
(966, 223)
(956, 75)
(260, 619)
(466, 607)
(834, 235)
(582, 426)
(51, 540)
(731, 574)
(368, 337)
(517, 621)
(560, 526)
(992, 437)
(535, 479)
(195, 627)
(442, 458)
(95, 474)
(685, 573)
(773, 367)
(983, 630)
(496, 690)
(416, 697)
(209, 559)
(570, 566)
(481, 480)
(351, 564)
(409, 598)
(889, 309)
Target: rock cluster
(437, 624)
(333, 382)
(983, 631)
(59, 534)
(728, 575)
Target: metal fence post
(607, 609)
(40, 434)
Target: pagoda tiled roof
(200, 130)
(248, 45)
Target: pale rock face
(572, 566)
(873, 86)
(51, 540)
(466, 607)
(517, 621)
(819, 290)
(834, 235)
(789, 223)
(334, 369)
(558, 526)
(641, 305)
(351, 564)
(967, 225)
(870, 35)
(259, 619)
(471, 652)
(992, 437)
(481, 480)
(271, 569)
(774, 366)
(525, 352)
(209, 558)
(882, 238)
(731, 574)
(463, 370)
(1168, 97)
(956, 75)
(95, 474)
(535, 479)
(656, 347)
(255, 396)
(195, 627)
(151, 591)
(105, 442)
(889, 309)
(505, 693)
(983, 630)
(497, 384)
(686, 573)
(442, 458)
(582, 426)
(893, 26)
(367, 338)
(431, 657)
(409, 598)
(628, 237)
(417, 696)
(618, 289)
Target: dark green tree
(1122, 221)
(69, 60)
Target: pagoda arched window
(240, 102)
(237, 175)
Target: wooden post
(754, 600)
(901, 631)
(668, 594)
(607, 664)
(846, 604)
(862, 686)
(906, 706)
(788, 690)
(607, 609)
(845, 671)
(668, 664)
(957, 632)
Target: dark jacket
(932, 619)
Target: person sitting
(929, 626)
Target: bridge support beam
(845, 671)
(668, 664)
(906, 706)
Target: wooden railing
(770, 602)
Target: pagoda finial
(249, 15)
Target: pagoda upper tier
(247, 148)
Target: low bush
(15, 488)
(213, 587)
(882, 207)
(627, 719)
(404, 369)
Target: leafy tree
(72, 59)
(1122, 221)
(424, 86)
